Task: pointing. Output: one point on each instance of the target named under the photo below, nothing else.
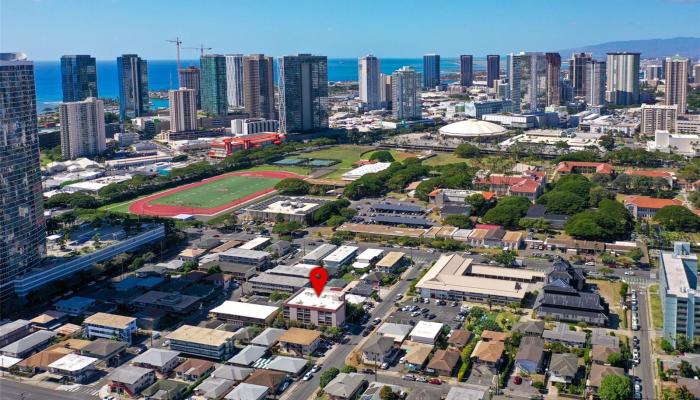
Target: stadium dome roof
(472, 128)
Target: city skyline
(340, 31)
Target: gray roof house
(467, 393)
(425, 394)
(563, 368)
(562, 334)
(247, 391)
(345, 386)
(232, 373)
(530, 354)
(290, 365)
(248, 355)
(376, 349)
(268, 337)
(529, 328)
(214, 388)
(159, 359)
(28, 344)
(602, 337)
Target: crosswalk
(89, 390)
(637, 280)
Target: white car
(308, 376)
(629, 272)
(590, 264)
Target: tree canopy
(611, 221)
(508, 211)
(560, 202)
(458, 220)
(292, 186)
(678, 218)
(615, 387)
(381, 156)
(467, 150)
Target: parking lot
(436, 313)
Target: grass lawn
(122, 207)
(507, 319)
(442, 159)
(610, 291)
(217, 193)
(657, 314)
(291, 168)
(346, 154)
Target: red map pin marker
(318, 278)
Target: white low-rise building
(359, 172)
(244, 314)
(74, 367)
(109, 326)
(676, 143)
(426, 332)
(307, 307)
(341, 256)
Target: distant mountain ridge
(650, 48)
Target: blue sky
(46, 29)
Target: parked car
(308, 376)
(434, 381)
(385, 366)
(409, 378)
(316, 368)
(517, 380)
(421, 379)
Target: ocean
(162, 75)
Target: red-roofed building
(222, 149)
(646, 207)
(528, 185)
(582, 167)
(670, 177)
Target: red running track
(144, 206)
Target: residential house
(130, 380)
(246, 391)
(416, 356)
(106, 350)
(562, 334)
(459, 338)
(299, 341)
(600, 353)
(563, 367)
(530, 355)
(159, 360)
(28, 345)
(248, 355)
(529, 328)
(270, 379)
(193, 368)
(268, 338)
(488, 353)
(214, 388)
(345, 386)
(377, 350)
(444, 362)
(598, 372)
(74, 367)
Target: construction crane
(177, 42)
(201, 49)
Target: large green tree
(561, 202)
(458, 220)
(292, 186)
(508, 211)
(678, 218)
(615, 387)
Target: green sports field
(217, 193)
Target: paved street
(645, 368)
(336, 358)
(11, 390)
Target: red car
(517, 380)
(435, 381)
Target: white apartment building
(82, 128)
(676, 143)
(234, 80)
(250, 126)
(306, 307)
(109, 326)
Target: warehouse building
(244, 314)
